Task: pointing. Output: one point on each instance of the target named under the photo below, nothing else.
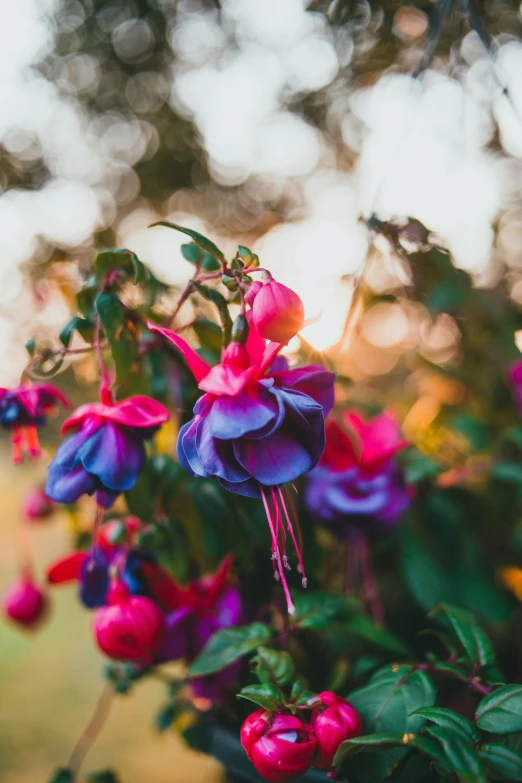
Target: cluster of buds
(281, 746)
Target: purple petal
(217, 456)
(66, 486)
(274, 460)
(232, 417)
(114, 456)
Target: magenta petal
(139, 411)
(198, 367)
(226, 380)
(68, 569)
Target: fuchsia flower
(23, 410)
(280, 746)
(129, 627)
(357, 478)
(333, 722)
(256, 427)
(277, 311)
(515, 376)
(90, 568)
(36, 505)
(24, 602)
(106, 451)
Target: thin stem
(105, 378)
(370, 583)
(92, 730)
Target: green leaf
(273, 666)
(30, 347)
(212, 295)
(124, 346)
(267, 696)
(390, 699)
(62, 776)
(317, 610)
(450, 720)
(198, 238)
(104, 776)
(475, 642)
(462, 759)
(363, 627)
(300, 694)
(195, 255)
(76, 324)
(420, 468)
(501, 763)
(501, 711)
(370, 742)
(508, 471)
(228, 645)
(165, 717)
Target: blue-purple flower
(256, 427)
(106, 451)
(358, 482)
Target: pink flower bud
(131, 627)
(280, 746)
(36, 505)
(333, 722)
(278, 313)
(252, 291)
(25, 603)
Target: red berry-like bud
(25, 603)
(333, 722)
(131, 627)
(280, 746)
(277, 312)
(36, 505)
(252, 291)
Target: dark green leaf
(363, 627)
(221, 303)
(501, 711)
(273, 666)
(300, 694)
(62, 776)
(198, 238)
(317, 610)
(450, 720)
(475, 642)
(461, 757)
(104, 776)
(30, 347)
(228, 645)
(390, 699)
(165, 718)
(76, 324)
(195, 255)
(508, 471)
(501, 763)
(267, 696)
(369, 742)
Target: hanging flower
(277, 311)
(23, 410)
(129, 627)
(196, 613)
(280, 746)
(358, 480)
(257, 426)
(333, 722)
(106, 451)
(24, 602)
(91, 568)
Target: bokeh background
(276, 124)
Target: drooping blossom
(23, 411)
(36, 506)
(333, 721)
(280, 746)
(106, 451)
(129, 627)
(277, 311)
(195, 613)
(515, 376)
(256, 427)
(91, 568)
(358, 483)
(24, 602)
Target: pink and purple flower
(358, 482)
(24, 410)
(106, 451)
(257, 426)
